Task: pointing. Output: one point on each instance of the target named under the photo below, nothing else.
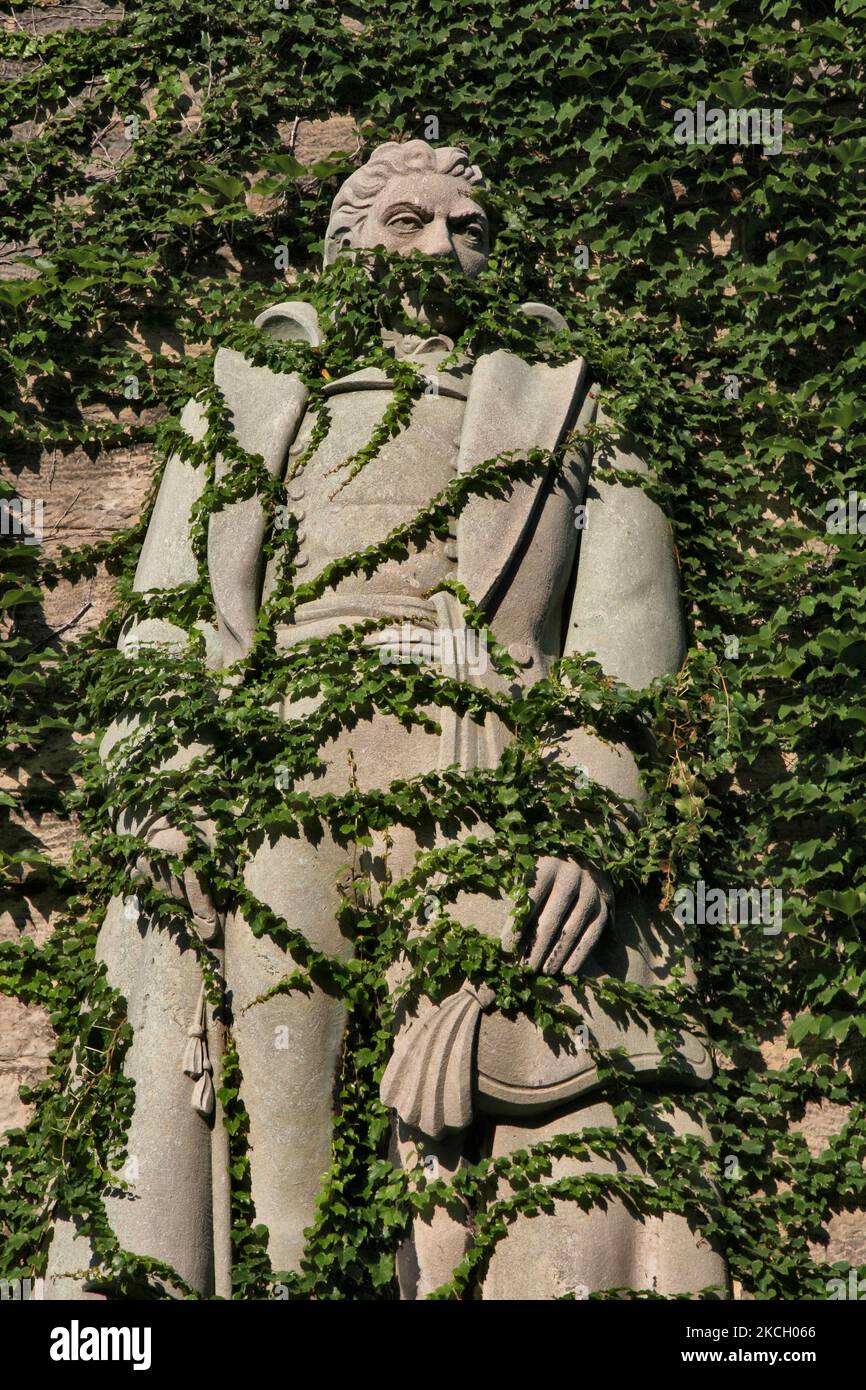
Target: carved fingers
(201, 905)
(570, 907)
(191, 889)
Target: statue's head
(412, 197)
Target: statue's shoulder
(548, 319)
(293, 320)
(240, 380)
(574, 374)
(263, 402)
(547, 322)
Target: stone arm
(167, 560)
(626, 611)
(626, 608)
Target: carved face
(431, 213)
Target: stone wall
(87, 497)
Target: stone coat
(547, 588)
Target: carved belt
(462, 1056)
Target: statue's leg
(166, 1213)
(290, 1045)
(438, 1241)
(576, 1250)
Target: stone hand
(192, 890)
(570, 907)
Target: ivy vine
(758, 776)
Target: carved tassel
(203, 1095)
(196, 1062)
(193, 1058)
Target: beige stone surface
(65, 14)
(319, 139)
(26, 1039)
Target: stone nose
(437, 240)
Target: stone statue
(547, 589)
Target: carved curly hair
(353, 202)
